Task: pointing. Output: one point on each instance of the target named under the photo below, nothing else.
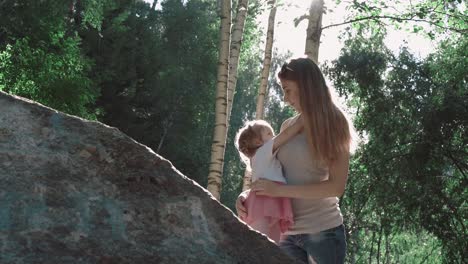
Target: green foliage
(369, 246)
(156, 69)
(54, 79)
(412, 115)
(93, 11)
(42, 61)
(33, 19)
(433, 17)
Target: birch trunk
(167, 124)
(314, 30)
(372, 247)
(266, 62)
(219, 135)
(236, 43)
(247, 180)
(379, 243)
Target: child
(257, 145)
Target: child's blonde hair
(246, 137)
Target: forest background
(150, 70)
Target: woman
(315, 165)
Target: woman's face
(291, 94)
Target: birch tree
(442, 17)
(266, 61)
(216, 165)
(314, 30)
(218, 144)
(236, 42)
(247, 180)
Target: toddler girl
(257, 147)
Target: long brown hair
(327, 128)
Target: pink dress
(274, 212)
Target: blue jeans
(326, 247)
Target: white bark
(167, 124)
(266, 61)
(220, 129)
(314, 30)
(236, 43)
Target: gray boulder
(77, 191)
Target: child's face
(267, 134)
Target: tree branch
(455, 162)
(464, 18)
(461, 31)
(430, 254)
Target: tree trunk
(153, 6)
(266, 62)
(379, 243)
(236, 43)
(372, 247)
(387, 250)
(167, 124)
(314, 30)
(219, 135)
(354, 240)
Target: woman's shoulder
(288, 122)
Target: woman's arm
(286, 123)
(286, 133)
(333, 187)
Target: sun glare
(292, 38)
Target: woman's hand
(240, 208)
(266, 187)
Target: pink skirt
(275, 210)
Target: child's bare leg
(261, 225)
(275, 232)
(271, 230)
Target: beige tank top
(299, 167)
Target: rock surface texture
(76, 191)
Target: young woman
(315, 165)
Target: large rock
(75, 191)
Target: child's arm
(288, 133)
